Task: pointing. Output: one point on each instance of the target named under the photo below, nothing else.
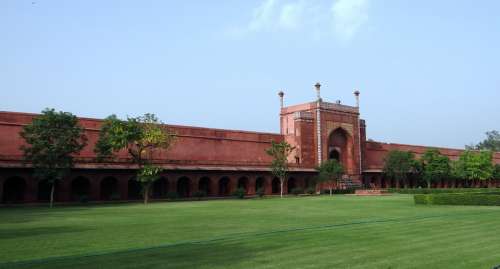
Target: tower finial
(356, 93)
(281, 94)
(318, 90)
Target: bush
(311, 190)
(199, 194)
(432, 191)
(172, 195)
(260, 192)
(489, 199)
(297, 191)
(239, 193)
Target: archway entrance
(109, 189)
(259, 184)
(13, 190)
(243, 184)
(340, 148)
(224, 186)
(183, 187)
(334, 155)
(80, 189)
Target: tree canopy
(474, 165)
(330, 171)
(141, 137)
(435, 166)
(279, 164)
(399, 164)
(492, 142)
(52, 139)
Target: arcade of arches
(92, 187)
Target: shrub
(260, 192)
(458, 199)
(199, 194)
(172, 195)
(297, 191)
(311, 190)
(432, 191)
(239, 193)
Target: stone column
(194, 185)
(214, 186)
(95, 188)
(251, 185)
(64, 189)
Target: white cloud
(263, 15)
(292, 15)
(341, 18)
(349, 16)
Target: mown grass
(309, 232)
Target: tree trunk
(281, 189)
(52, 195)
(428, 184)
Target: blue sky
(428, 71)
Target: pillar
(95, 188)
(193, 185)
(251, 185)
(64, 194)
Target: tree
(141, 137)
(496, 172)
(435, 166)
(279, 165)
(474, 166)
(492, 142)
(52, 139)
(330, 171)
(398, 164)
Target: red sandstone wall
(376, 152)
(194, 145)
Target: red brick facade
(212, 160)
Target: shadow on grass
(224, 254)
(29, 232)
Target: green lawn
(308, 232)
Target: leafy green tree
(52, 140)
(496, 172)
(140, 137)
(330, 171)
(492, 142)
(279, 165)
(399, 164)
(474, 166)
(435, 166)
